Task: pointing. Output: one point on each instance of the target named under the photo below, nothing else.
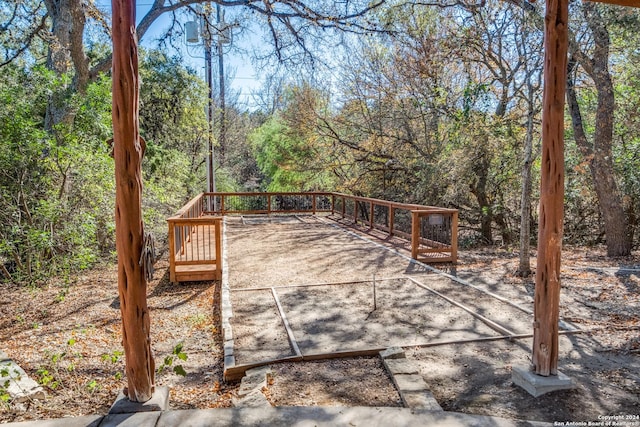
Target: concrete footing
(537, 385)
(158, 402)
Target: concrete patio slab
(300, 416)
(85, 421)
(330, 417)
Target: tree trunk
(524, 266)
(547, 291)
(128, 152)
(480, 169)
(599, 155)
(66, 55)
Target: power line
(108, 3)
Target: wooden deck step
(192, 273)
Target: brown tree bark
(599, 154)
(478, 188)
(547, 292)
(524, 264)
(66, 54)
(128, 151)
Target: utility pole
(222, 34)
(208, 44)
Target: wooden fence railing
(266, 203)
(195, 244)
(195, 231)
(432, 231)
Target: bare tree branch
(13, 41)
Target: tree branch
(40, 26)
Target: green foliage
(288, 161)
(114, 358)
(413, 118)
(5, 381)
(46, 379)
(60, 370)
(168, 361)
(626, 149)
(172, 99)
(57, 188)
(173, 123)
(288, 148)
(54, 192)
(93, 386)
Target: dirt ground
(599, 296)
(67, 334)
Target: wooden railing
(195, 231)
(195, 249)
(432, 231)
(266, 203)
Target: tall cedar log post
(547, 292)
(128, 150)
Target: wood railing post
(355, 211)
(454, 236)
(415, 234)
(268, 204)
(222, 200)
(313, 203)
(371, 217)
(172, 252)
(392, 219)
(344, 208)
(333, 204)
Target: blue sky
(244, 81)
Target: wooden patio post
(128, 152)
(547, 290)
